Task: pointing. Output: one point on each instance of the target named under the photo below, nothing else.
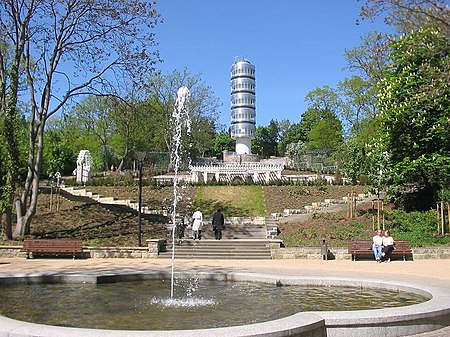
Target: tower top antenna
(240, 58)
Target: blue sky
(295, 45)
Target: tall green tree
(325, 105)
(414, 104)
(358, 93)
(294, 134)
(369, 59)
(325, 135)
(409, 15)
(283, 128)
(222, 142)
(359, 109)
(127, 118)
(58, 154)
(12, 48)
(266, 140)
(359, 103)
(203, 108)
(94, 115)
(68, 48)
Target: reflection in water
(145, 305)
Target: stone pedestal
(155, 246)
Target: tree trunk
(11, 110)
(438, 218)
(123, 159)
(26, 204)
(10, 128)
(448, 218)
(6, 224)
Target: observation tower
(243, 105)
(241, 165)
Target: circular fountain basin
(196, 304)
(401, 321)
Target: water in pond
(146, 305)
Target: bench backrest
(359, 244)
(75, 244)
(366, 244)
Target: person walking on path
(197, 225)
(377, 245)
(218, 223)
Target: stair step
(224, 257)
(222, 252)
(220, 243)
(219, 249)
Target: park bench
(364, 248)
(53, 247)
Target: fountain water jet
(180, 122)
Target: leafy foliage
(203, 109)
(222, 142)
(417, 227)
(414, 103)
(408, 15)
(369, 60)
(266, 140)
(59, 156)
(325, 135)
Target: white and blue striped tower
(243, 105)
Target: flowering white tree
(414, 101)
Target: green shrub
(420, 228)
(351, 231)
(302, 237)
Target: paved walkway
(430, 272)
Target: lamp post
(140, 157)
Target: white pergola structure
(230, 172)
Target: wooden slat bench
(364, 248)
(53, 246)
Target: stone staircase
(235, 228)
(219, 249)
(243, 238)
(112, 200)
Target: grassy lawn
(245, 201)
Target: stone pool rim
(400, 321)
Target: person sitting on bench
(377, 245)
(388, 246)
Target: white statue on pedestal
(84, 167)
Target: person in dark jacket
(218, 223)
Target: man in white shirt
(377, 245)
(197, 224)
